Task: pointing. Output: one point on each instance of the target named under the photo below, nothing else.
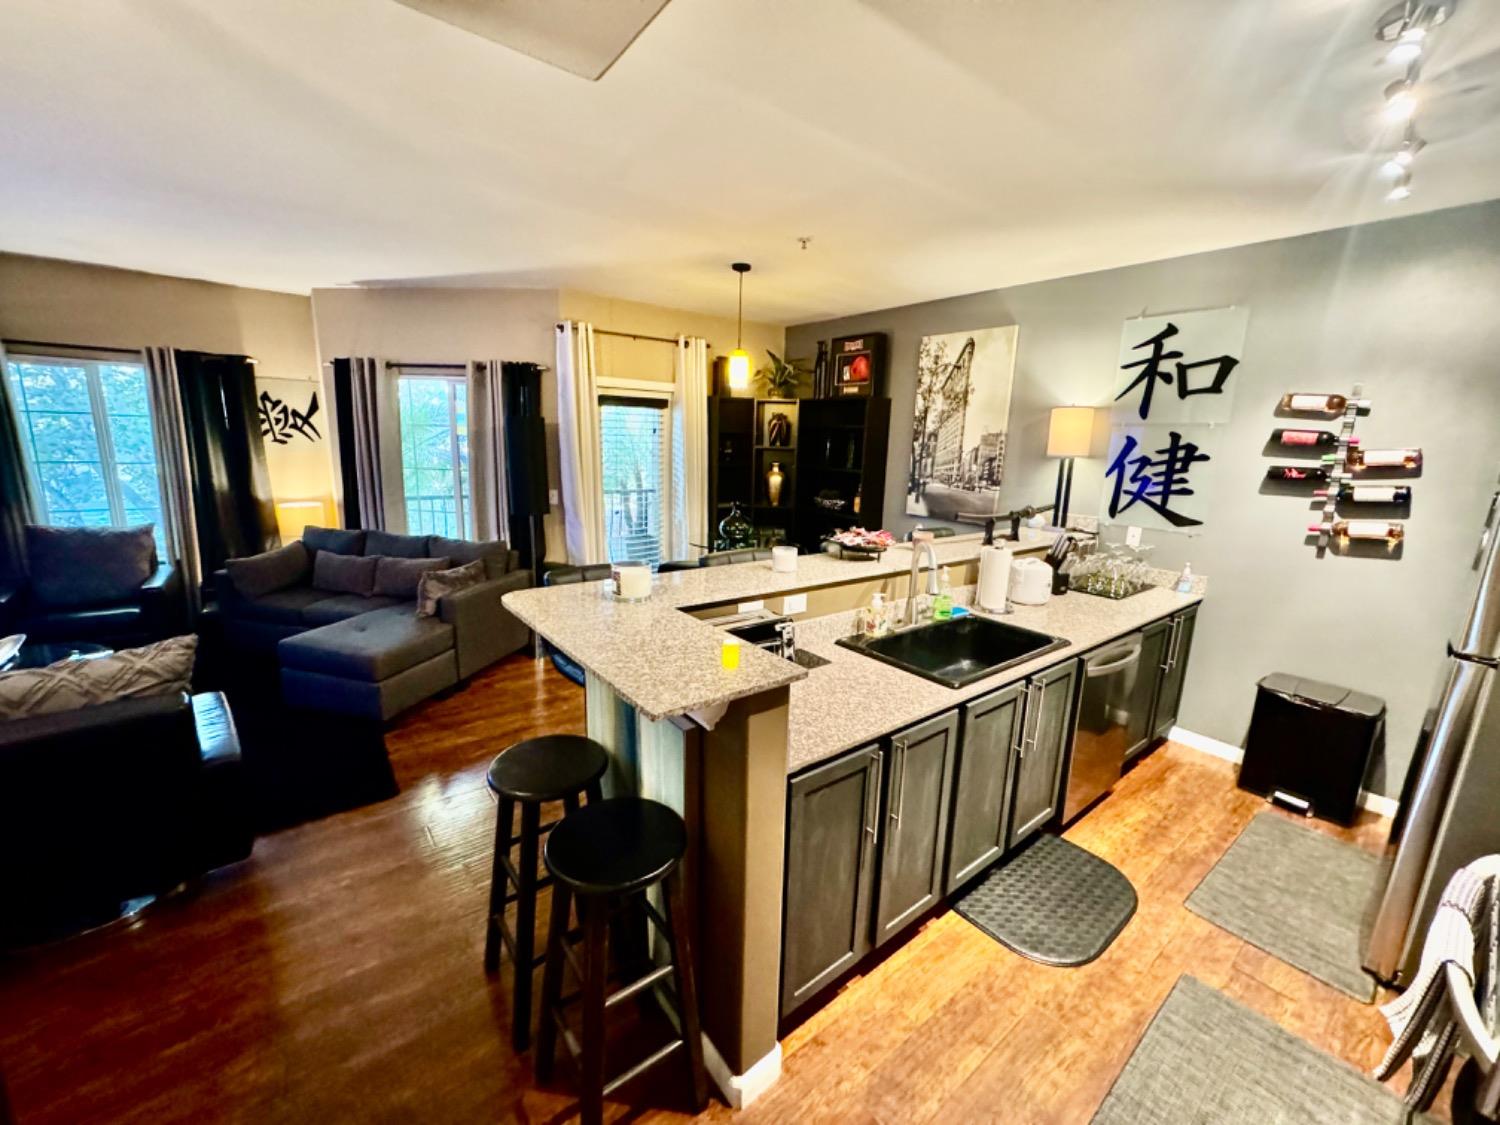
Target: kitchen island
(726, 748)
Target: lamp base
(1064, 493)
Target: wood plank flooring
(336, 976)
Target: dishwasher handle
(1130, 657)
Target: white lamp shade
(1070, 431)
(294, 515)
(739, 369)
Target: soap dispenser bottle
(1185, 579)
(942, 604)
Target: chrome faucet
(918, 546)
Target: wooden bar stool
(556, 767)
(603, 859)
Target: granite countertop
(855, 699)
(664, 662)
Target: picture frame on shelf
(858, 364)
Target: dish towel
(1420, 1020)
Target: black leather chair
(113, 803)
(677, 564)
(565, 575)
(739, 555)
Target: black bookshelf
(841, 454)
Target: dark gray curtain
(15, 494)
(356, 405)
(232, 504)
(343, 418)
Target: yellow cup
(729, 653)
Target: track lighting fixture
(1401, 99)
(1408, 47)
(1401, 189)
(1401, 160)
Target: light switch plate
(554, 496)
(1132, 537)
(794, 603)
(751, 607)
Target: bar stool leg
(591, 1076)
(499, 885)
(552, 983)
(687, 988)
(525, 926)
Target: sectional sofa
(370, 654)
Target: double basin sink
(957, 652)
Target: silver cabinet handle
(1166, 658)
(872, 800)
(1176, 641)
(1041, 702)
(898, 779)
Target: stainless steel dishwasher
(1114, 718)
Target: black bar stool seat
(554, 767)
(603, 859)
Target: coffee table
(38, 654)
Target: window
(435, 454)
(87, 437)
(633, 447)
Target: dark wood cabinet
(832, 813)
(1156, 640)
(914, 822)
(1043, 742)
(842, 454)
(1179, 643)
(982, 783)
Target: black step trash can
(1310, 744)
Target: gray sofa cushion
(280, 605)
(398, 578)
(341, 607)
(343, 574)
(438, 584)
(370, 647)
(494, 552)
(333, 540)
(395, 546)
(88, 565)
(265, 573)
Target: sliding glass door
(635, 450)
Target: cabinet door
(981, 787)
(1045, 733)
(914, 822)
(1179, 643)
(1156, 644)
(832, 813)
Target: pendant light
(739, 359)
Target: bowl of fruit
(859, 543)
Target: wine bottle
(1298, 473)
(1369, 493)
(1391, 532)
(1308, 439)
(1381, 459)
(1314, 404)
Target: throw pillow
(263, 574)
(494, 552)
(163, 668)
(396, 546)
(399, 578)
(438, 584)
(343, 574)
(88, 565)
(333, 540)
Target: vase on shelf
(735, 530)
(774, 478)
(779, 430)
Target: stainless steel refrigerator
(1450, 801)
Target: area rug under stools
(1298, 895)
(1206, 1058)
(1055, 903)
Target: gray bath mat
(1054, 903)
(1297, 894)
(1206, 1058)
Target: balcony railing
(632, 524)
(434, 515)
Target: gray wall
(1408, 307)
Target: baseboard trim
(1375, 802)
(740, 1090)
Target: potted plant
(781, 376)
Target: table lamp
(1070, 434)
(294, 515)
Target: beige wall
(62, 302)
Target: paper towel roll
(994, 578)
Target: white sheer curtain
(578, 443)
(689, 448)
(179, 522)
(487, 450)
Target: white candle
(631, 579)
(784, 560)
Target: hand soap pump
(942, 604)
(1185, 579)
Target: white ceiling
(930, 147)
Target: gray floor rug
(1206, 1058)
(1301, 896)
(1054, 903)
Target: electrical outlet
(1132, 537)
(794, 603)
(751, 607)
(554, 496)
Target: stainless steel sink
(957, 652)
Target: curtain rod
(638, 336)
(429, 366)
(72, 347)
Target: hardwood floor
(336, 976)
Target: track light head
(1401, 189)
(1400, 100)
